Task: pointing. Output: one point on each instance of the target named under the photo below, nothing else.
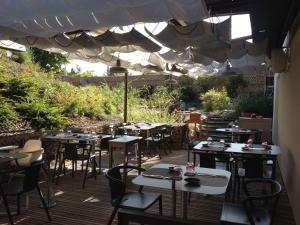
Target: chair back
(116, 184)
(261, 194)
(72, 150)
(32, 145)
(31, 177)
(155, 133)
(207, 160)
(253, 167)
(51, 147)
(104, 143)
(257, 136)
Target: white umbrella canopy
(44, 18)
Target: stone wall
(133, 81)
(256, 82)
(18, 138)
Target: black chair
(51, 152)
(166, 134)
(257, 136)
(256, 208)
(252, 168)
(78, 152)
(129, 200)
(207, 159)
(22, 184)
(155, 142)
(104, 147)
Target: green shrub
(256, 103)
(20, 57)
(8, 116)
(40, 114)
(234, 83)
(214, 100)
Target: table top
(13, 155)
(8, 147)
(238, 149)
(212, 181)
(236, 130)
(73, 136)
(125, 139)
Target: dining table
(124, 142)
(212, 182)
(7, 157)
(8, 148)
(239, 150)
(235, 131)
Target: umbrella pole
(125, 96)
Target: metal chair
(78, 152)
(155, 142)
(102, 148)
(252, 168)
(256, 209)
(129, 200)
(22, 184)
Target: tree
(234, 83)
(48, 61)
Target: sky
(240, 27)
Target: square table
(237, 151)
(212, 182)
(124, 142)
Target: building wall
(289, 127)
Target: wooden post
(125, 96)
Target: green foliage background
(37, 98)
(214, 100)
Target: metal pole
(125, 96)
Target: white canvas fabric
(192, 35)
(46, 18)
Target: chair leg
(57, 159)
(239, 189)
(160, 206)
(85, 173)
(18, 205)
(73, 164)
(94, 167)
(10, 218)
(43, 202)
(100, 162)
(112, 216)
(60, 168)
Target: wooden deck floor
(91, 206)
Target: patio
(222, 113)
(92, 206)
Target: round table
(237, 131)
(8, 147)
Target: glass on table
(190, 167)
(209, 140)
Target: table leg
(110, 156)
(125, 163)
(174, 198)
(274, 168)
(139, 150)
(184, 204)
